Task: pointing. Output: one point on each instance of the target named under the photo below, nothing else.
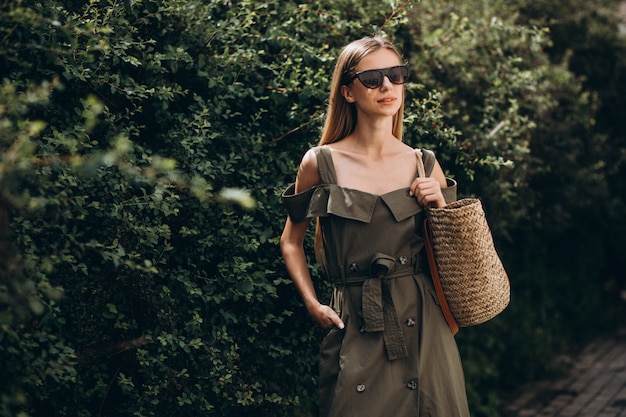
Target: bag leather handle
(421, 171)
(432, 264)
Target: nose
(386, 82)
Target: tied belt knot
(379, 312)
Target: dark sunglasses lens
(374, 78)
(398, 75)
(370, 79)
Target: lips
(387, 100)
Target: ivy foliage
(144, 146)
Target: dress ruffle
(330, 199)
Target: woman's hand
(325, 316)
(427, 191)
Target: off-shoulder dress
(396, 356)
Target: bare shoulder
(405, 147)
(308, 172)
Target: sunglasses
(374, 78)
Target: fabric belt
(379, 312)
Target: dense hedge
(144, 148)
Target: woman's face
(384, 100)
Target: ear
(347, 94)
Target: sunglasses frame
(384, 72)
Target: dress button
(360, 388)
(354, 267)
(410, 322)
(412, 385)
(403, 260)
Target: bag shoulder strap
(425, 162)
(425, 157)
(434, 274)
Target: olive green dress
(396, 356)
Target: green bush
(145, 145)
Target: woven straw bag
(469, 278)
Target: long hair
(341, 116)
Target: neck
(373, 134)
(374, 130)
(371, 143)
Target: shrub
(145, 145)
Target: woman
(388, 351)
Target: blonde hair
(341, 116)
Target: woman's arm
(292, 248)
